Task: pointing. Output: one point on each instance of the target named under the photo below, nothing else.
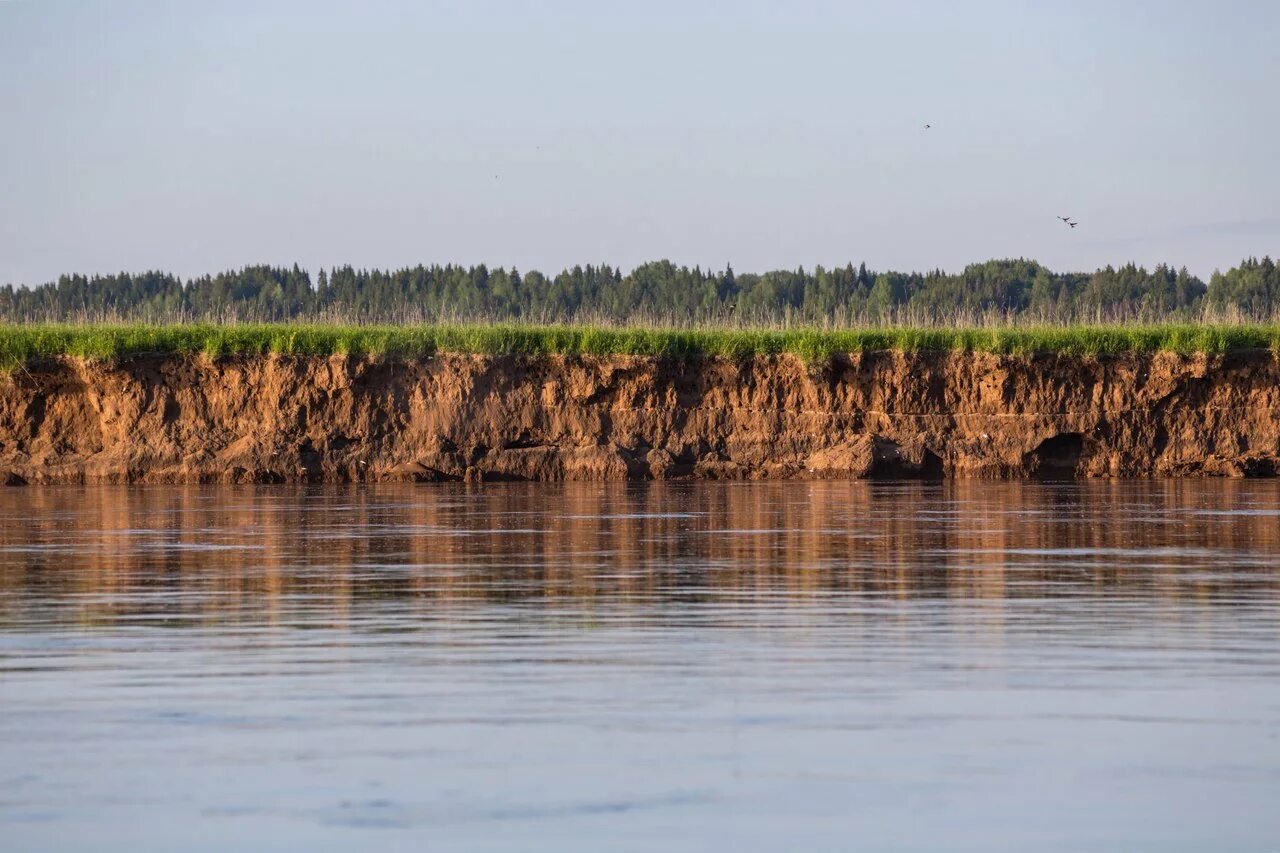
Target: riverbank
(187, 416)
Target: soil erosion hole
(1057, 457)
(891, 464)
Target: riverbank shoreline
(272, 417)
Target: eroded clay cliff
(279, 418)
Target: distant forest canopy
(655, 292)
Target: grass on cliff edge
(22, 343)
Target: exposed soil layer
(878, 414)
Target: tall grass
(721, 316)
(20, 344)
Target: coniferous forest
(654, 292)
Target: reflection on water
(961, 665)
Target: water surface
(877, 666)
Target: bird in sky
(1066, 219)
(927, 126)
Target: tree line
(659, 291)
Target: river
(715, 666)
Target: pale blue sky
(197, 137)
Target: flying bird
(1066, 219)
(927, 126)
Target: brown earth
(281, 419)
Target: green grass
(20, 344)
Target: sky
(197, 137)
